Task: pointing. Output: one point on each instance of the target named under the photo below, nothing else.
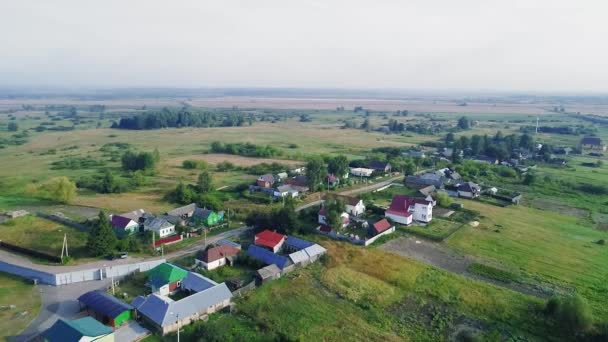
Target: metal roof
(315, 250)
(299, 257)
(187, 209)
(67, 331)
(297, 243)
(104, 303)
(197, 283)
(268, 271)
(164, 311)
(159, 223)
(166, 273)
(267, 257)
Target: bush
(601, 242)
(571, 314)
(194, 164)
(443, 199)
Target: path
(439, 256)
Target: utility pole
(112, 274)
(64, 247)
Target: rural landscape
(435, 219)
(303, 171)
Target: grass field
(437, 230)
(43, 235)
(546, 246)
(26, 299)
(369, 294)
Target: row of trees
(134, 161)
(318, 168)
(499, 146)
(245, 149)
(184, 117)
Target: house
(269, 239)
(165, 278)
(405, 209)
(299, 258)
(218, 256)
(298, 181)
(449, 174)
(361, 172)
(286, 190)
(424, 180)
(161, 227)
(79, 330)
(354, 206)
(106, 308)
(383, 167)
(268, 273)
(331, 180)
(293, 244)
(381, 226)
(298, 170)
(265, 181)
(281, 176)
(207, 217)
(184, 212)
(136, 215)
(322, 217)
(267, 257)
(195, 283)
(593, 144)
(315, 252)
(124, 226)
(165, 315)
(427, 190)
(468, 190)
(225, 242)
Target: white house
(361, 172)
(469, 190)
(285, 191)
(354, 206)
(217, 256)
(323, 218)
(161, 227)
(406, 209)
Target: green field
(26, 300)
(437, 230)
(558, 250)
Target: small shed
(267, 274)
(106, 308)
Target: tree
(477, 145)
(443, 199)
(333, 212)
(60, 189)
(409, 168)
(204, 183)
(108, 183)
(529, 179)
(572, 314)
(102, 239)
(183, 194)
(338, 166)
(13, 127)
(315, 171)
(449, 138)
(464, 123)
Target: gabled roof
(224, 242)
(378, 165)
(381, 226)
(197, 283)
(268, 238)
(166, 273)
(121, 221)
(469, 187)
(267, 257)
(301, 181)
(134, 215)
(591, 141)
(202, 213)
(75, 330)
(187, 209)
(104, 303)
(401, 204)
(299, 257)
(159, 223)
(164, 311)
(266, 178)
(219, 252)
(268, 271)
(286, 188)
(347, 199)
(427, 190)
(297, 243)
(315, 250)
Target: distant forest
(185, 117)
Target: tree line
(184, 117)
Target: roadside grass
(26, 299)
(43, 235)
(551, 248)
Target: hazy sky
(531, 45)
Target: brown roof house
(217, 256)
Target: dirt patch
(216, 158)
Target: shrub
(601, 242)
(571, 314)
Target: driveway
(132, 331)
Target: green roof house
(79, 330)
(207, 217)
(166, 278)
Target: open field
(26, 299)
(43, 235)
(548, 247)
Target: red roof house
(381, 226)
(404, 208)
(270, 239)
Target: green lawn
(437, 230)
(26, 299)
(543, 245)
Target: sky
(485, 45)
